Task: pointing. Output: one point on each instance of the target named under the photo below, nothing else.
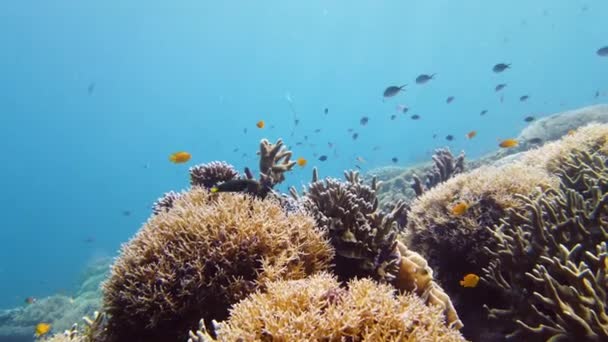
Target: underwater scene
(388, 170)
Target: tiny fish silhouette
(483, 112)
(603, 51)
(449, 137)
(364, 120)
(393, 90)
(393, 117)
(394, 160)
(529, 119)
(326, 111)
(317, 130)
(422, 79)
(449, 99)
(355, 136)
(323, 158)
(415, 117)
(500, 67)
(524, 98)
(500, 87)
(91, 88)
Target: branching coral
(558, 255)
(318, 309)
(445, 166)
(205, 254)
(165, 203)
(211, 174)
(274, 162)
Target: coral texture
(205, 254)
(211, 174)
(318, 309)
(558, 254)
(445, 166)
(165, 203)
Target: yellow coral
(318, 309)
(206, 253)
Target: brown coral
(211, 174)
(445, 166)
(165, 203)
(317, 309)
(205, 254)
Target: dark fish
(299, 143)
(317, 130)
(350, 130)
(500, 87)
(126, 213)
(235, 150)
(296, 121)
(434, 136)
(358, 167)
(326, 110)
(404, 110)
(393, 117)
(422, 79)
(323, 158)
(330, 144)
(306, 138)
(603, 52)
(89, 239)
(483, 112)
(394, 159)
(364, 120)
(415, 117)
(597, 94)
(449, 137)
(91, 88)
(500, 67)
(237, 185)
(529, 119)
(245, 130)
(449, 99)
(524, 98)
(355, 136)
(535, 141)
(393, 90)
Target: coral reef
(91, 331)
(445, 166)
(557, 253)
(211, 174)
(207, 253)
(165, 203)
(317, 308)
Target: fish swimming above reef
(422, 79)
(355, 136)
(529, 118)
(500, 87)
(602, 52)
(393, 90)
(483, 112)
(42, 329)
(471, 134)
(459, 209)
(524, 98)
(301, 162)
(326, 111)
(470, 280)
(180, 157)
(449, 99)
(260, 124)
(415, 117)
(237, 185)
(508, 143)
(500, 67)
(449, 137)
(364, 120)
(394, 160)
(323, 158)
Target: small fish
(235, 150)
(245, 130)
(393, 117)
(500, 67)
(449, 137)
(317, 130)
(360, 160)
(30, 300)
(126, 213)
(330, 144)
(483, 112)
(350, 130)
(500, 87)
(326, 111)
(42, 329)
(306, 138)
(524, 98)
(508, 143)
(470, 280)
(434, 136)
(597, 94)
(394, 160)
(415, 117)
(91, 88)
(301, 162)
(502, 98)
(236, 185)
(393, 90)
(603, 51)
(180, 157)
(459, 209)
(296, 122)
(471, 134)
(449, 99)
(535, 141)
(364, 120)
(358, 167)
(529, 118)
(260, 124)
(355, 136)
(299, 143)
(422, 79)
(402, 109)
(323, 158)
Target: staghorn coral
(204, 255)
(274, 162)
(211, 174)
(363, 236)
(165, 203)
(556, 253)
(317, 308)
(445, 166)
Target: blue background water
(191, 75)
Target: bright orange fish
(471, 134)
(180, 157)
(260, 124)
(508, 143)
(42, 329)
(470, 280)
(459, 208)
(302, 162)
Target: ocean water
(95, 95)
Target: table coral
(205, 254)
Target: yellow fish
(180, 157)
(302, 162)
(42, 329)
(260, 124)
(469, 280)
(459, 208)
(508, 143)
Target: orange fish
(30, 300)
(508, 143)
(260, 124)
(459, 208)
(42, 329)
(302, 162)
(470, 280)
(180, 157)
(471, 134)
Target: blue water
(192, 75)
